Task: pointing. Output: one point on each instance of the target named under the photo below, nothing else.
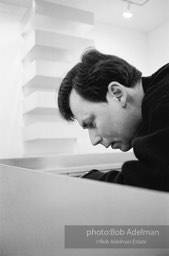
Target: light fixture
(128, 14)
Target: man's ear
(117, 91)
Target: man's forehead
(78, 105)
(74, 101)
(74, 97)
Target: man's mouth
(107, 146)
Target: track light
(127, 14)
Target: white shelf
(32, 118)
(55, 40)
(50, 53)
(63, 26)
(41, 102)
(42, 82)
(50, 71)
(59, 130)
(56, 16)
(45, 147)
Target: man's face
(108, 123)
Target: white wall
(158, 47)
(10, 88)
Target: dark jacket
(151, 143)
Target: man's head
(102, 92)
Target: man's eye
(91, 125)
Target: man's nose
(94, 138)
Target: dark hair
(90, 79)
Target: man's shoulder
(156, 96)
(161, 72)
(160, 77)
(158, 82)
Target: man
(121, 109)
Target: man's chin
(125, 148)
(122, 147)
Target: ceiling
(145, 18)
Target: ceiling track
(135, 3)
